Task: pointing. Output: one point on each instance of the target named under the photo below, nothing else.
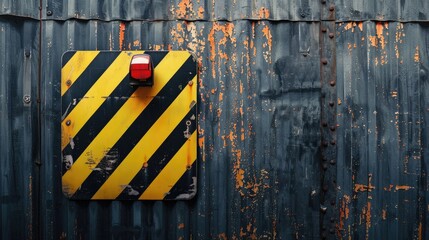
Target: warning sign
(127, 142)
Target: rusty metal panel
(258, 134)
(382, 130)
(18, 124)
(190, 10)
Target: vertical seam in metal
(37, 223)
(328, 185)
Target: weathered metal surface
(260, 114)
(18, 123)
(383, 118)
(182, 9)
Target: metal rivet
(332, 162)
(189, 167)
(190, 83)
(325, 188)
(145, 165)
(331, 103)
(323, 1)
(324, 166)
(332, 128)
(324, 61)
(332, 8)
(27, 53)
(333, 142)
(332, 83)
(331, 35)
(49, 13)
(324, 30)
(26, 99)
(68, 122)
(323, 208)
(324, 124)
(68, 83)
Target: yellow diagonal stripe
(120, 122)
(172, 172)
(95, 96)
(75, 67)
(147, 146)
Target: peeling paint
(121, 35)
(417, 55)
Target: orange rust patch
(223, 236)
(200, 12)
(379, 30)
(215, 44)
(388, 188)
(420, 231)
(181, 226)
(263, 13)
(363, 188)
(406, 188)
(417, 55)
(121, 34)
(344, 212)
(360, 26)
(267, 33)
(183, 8)
(367, 215)
(384, 214)
(373, 41)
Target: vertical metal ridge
(328, 185)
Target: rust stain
(267, 33)
(121, 34)
(360, 26)
(379, 31)
(388, 188)
(363, 188)
(181, 226)
(417, 55)
(366, 211)
(263, 13)
(215, 44)
(384, 214)
(183, 8)
(344, 212)
(223, 236)
(200, 12)
(373, 41)
(239, 173)
(404, 187)
(420, 231)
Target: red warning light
(141, 67)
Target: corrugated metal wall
(260, 118)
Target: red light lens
(141, 67)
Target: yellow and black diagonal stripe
(125, 142)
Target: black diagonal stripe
(103, 115)
(85, 81)
(160, 158)
(186, 187)
(66, 57)
(138, 129)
